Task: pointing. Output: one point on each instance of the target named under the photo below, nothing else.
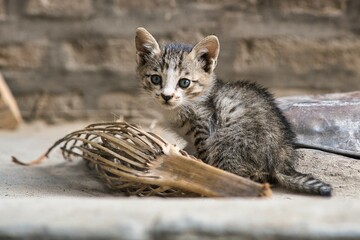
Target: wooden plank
(10, 116)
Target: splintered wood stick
(142, 163)
(193, 175)
(10, 116)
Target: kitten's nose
(166, 97)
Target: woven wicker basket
(141, 163)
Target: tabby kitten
(233, 126)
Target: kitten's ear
(145, 44)
(207, 52)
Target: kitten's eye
(184, 83)
(155, 79)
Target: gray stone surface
(58, 200)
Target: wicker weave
(136, 162)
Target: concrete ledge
(133, 218)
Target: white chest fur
(181, 127)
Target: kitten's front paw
(186, 154)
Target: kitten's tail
(303, 183)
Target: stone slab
(133, 218)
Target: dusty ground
(59, 199)
(55, 176)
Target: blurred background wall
(72, 59)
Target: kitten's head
(177, 74)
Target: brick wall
(67, 59)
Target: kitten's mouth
(168, 105)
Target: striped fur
(234, 126)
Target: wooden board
(10, 116)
